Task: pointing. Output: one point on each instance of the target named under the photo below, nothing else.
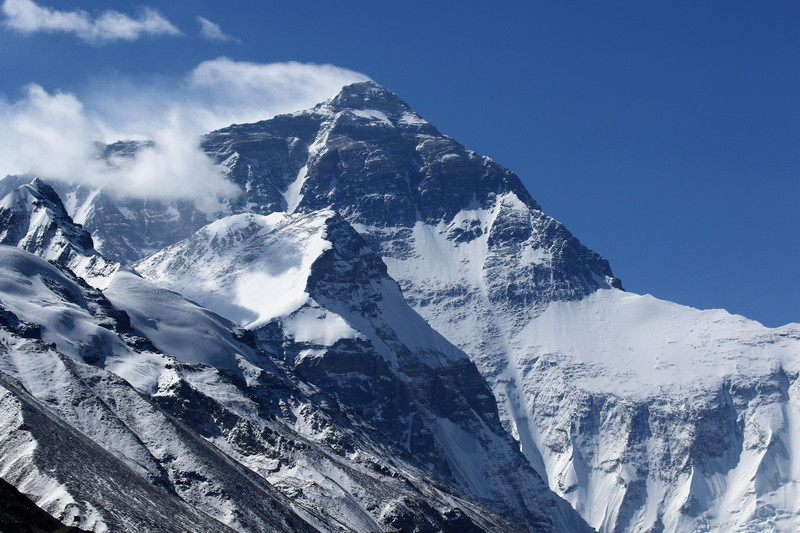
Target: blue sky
(665, 135)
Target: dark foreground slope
(18, 514)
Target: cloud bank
(27, 17)
(54, 134)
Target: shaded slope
(19, 514)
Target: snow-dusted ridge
(278, 250)
(33, 218)
(252, 448)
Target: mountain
(33, 218)
(442, 321)
(312, 291)
(214, 434)
(645, 415)
(477, 258)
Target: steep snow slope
(313, 292)
(674, 417)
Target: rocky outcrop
(32, 217)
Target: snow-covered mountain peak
(34, 192)
(34, 208)
(384, 264)
(367, 95)
(32, 217)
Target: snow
(438, 266)
(373, 115)
(141, 369)
(412, 119)
(248, 268)
(38, 292)
(534, 255)
(620, 350)
(412, 330)
(80, 212)
(293, 192)
(318, 326)
(639, 346)
(463, 450)
(165, 317)
(639, 350)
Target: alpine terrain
(383, 331)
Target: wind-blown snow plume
(220, 92)
(27, 17)
(56, 135)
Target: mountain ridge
(224, 400)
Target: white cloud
(218, 93)
(45, 134)
(174, 167)
(212, 31)
(230, 91)
(25, 16)
(54, 135)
